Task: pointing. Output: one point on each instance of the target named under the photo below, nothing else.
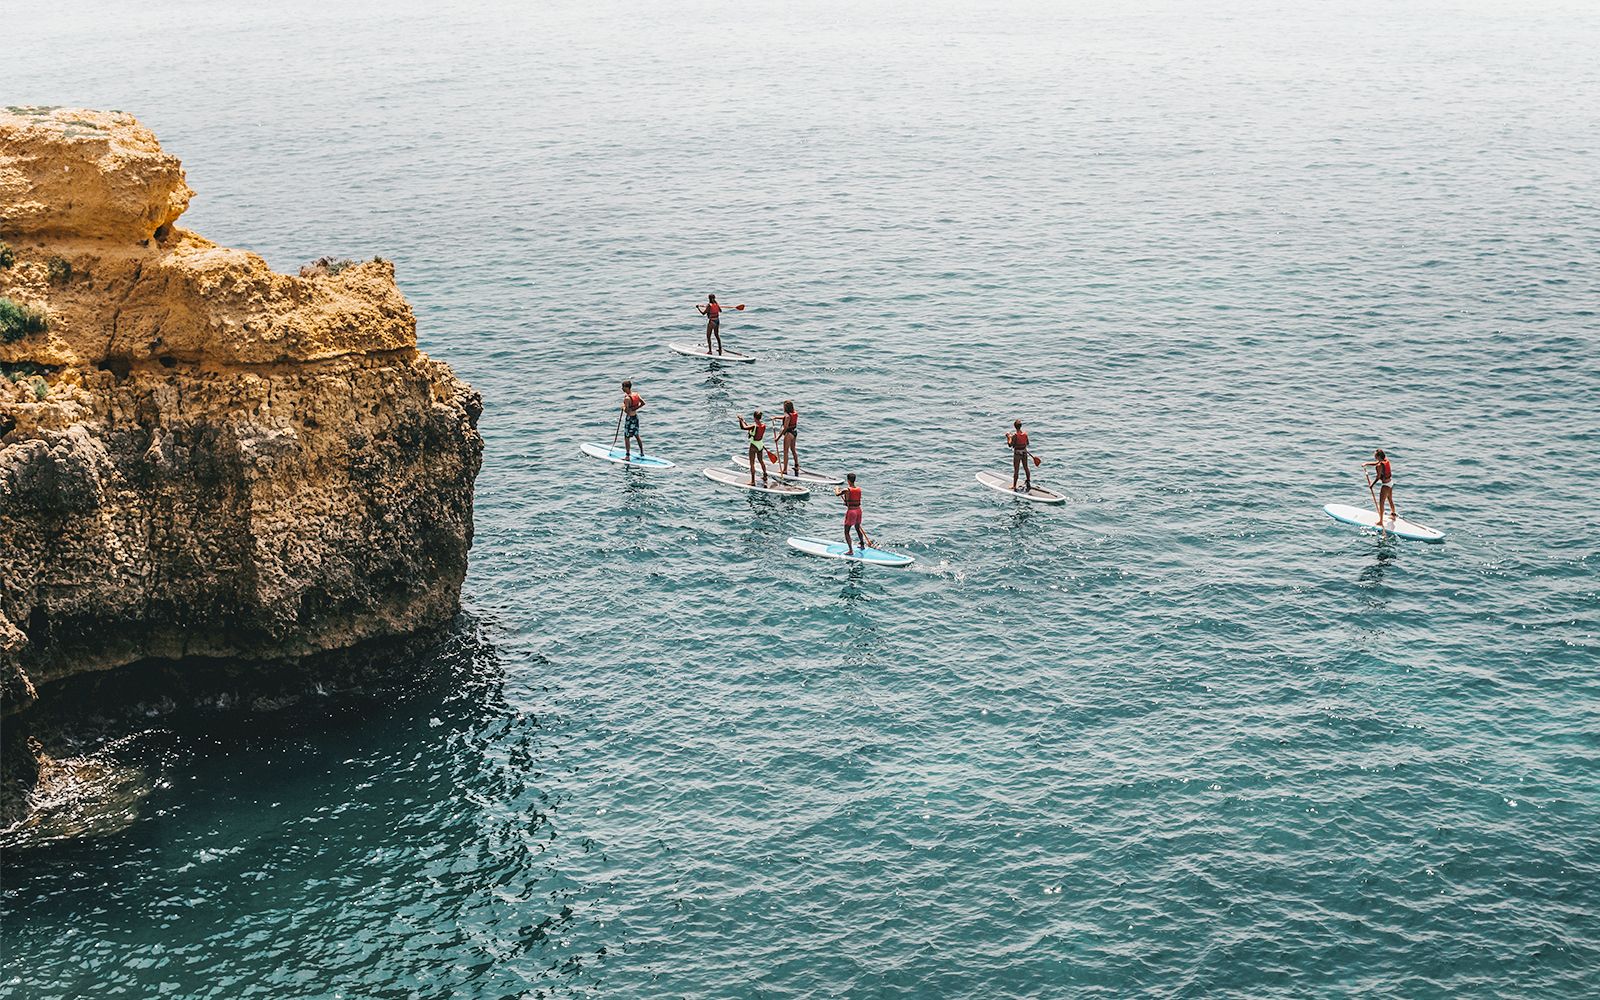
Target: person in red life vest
(852, 513)
(1383, 478)
(632, 403)
(754, 433)
(1018, 440)
(713, 314)
(788, 431)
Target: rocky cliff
(201, 458)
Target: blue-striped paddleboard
(836, 550)
(1367, 517)
(618, 456)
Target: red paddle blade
(740, 307)
(771, 457)
(1037, 461)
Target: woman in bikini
(1383, 478)
(713, 314)
(787, 432)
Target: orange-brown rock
(200, 457)
(78, 174)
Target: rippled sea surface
(1182, 736)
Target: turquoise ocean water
(1184, 736)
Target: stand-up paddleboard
(1367, 517)
(743, 482)
(836, 550)
(1038, 494)
(617, 455)
(696, 351)
(814, 478)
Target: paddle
(772, 456)
(618, 430)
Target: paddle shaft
(618, 430)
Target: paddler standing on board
(851, 493)
(1018, 440)
(754, 434)
(713, 314)
(1382, 477)
(632, 403)
(788, 431)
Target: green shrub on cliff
(18, 320)
(7, 257)
(16, 371)
(60, 270)
(326, 265)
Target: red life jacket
(1385, 473)
(713, 310)
(791, 420)
(635, 402)
(760, 431)
(852, 497)
(1019, 441)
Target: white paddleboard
(743, 482)
(617, 455)
(814, 478)
(1367, 517)
(696, 351)
(996, 481)
(836, 550)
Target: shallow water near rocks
(1184, 735)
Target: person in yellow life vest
(755, 434)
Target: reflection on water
(423, 799)
(1386, 550)
(110, 739)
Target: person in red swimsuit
(852, 513)
(1383, 478)
(713, 314)
(788, 431)
(1018, 440)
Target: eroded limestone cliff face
(200, 457)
